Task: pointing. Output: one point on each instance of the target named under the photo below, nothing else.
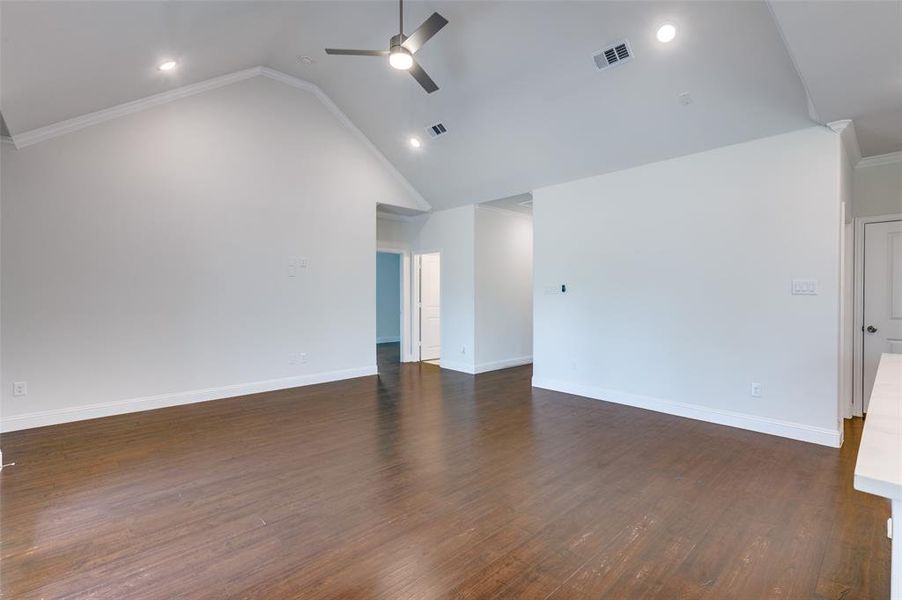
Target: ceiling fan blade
(344, 51)
(422, 78)
(429, 28)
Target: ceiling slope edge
(812, 110)
(34, 136)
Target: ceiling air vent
(619, 52)
(436, 130)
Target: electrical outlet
(20, 388)
(463, 349)
(302, 358)
(756, 390)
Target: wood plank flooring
(424, 483)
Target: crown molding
(386, 216)
(504, 211)
(846, 130)
(812, 109)
(882, 159)
(28, 138)
(41, 134)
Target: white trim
(461, 367)
(496, 365)
(106, 409)
(392, 339)
(27, 138)
(417, 342)
(882, 159)
(504, 211)
(812, 111)
(787, 429)
(395, 217)
(507, 363)
(846, 130)
(406, 337)
(858, 308)
(846, 316)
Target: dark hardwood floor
(425, 483)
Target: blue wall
(388, 297)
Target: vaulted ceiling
(519, 93)
(849, 55)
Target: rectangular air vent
(615, 54)
(436, 130)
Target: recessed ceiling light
(666, 33)
(414, 142)
(167, 66)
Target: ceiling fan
(402, 48)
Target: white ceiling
(849, 55)
(519, 93)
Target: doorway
(388, 307)
(879, 313)
(429, 302)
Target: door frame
(415, 294)
(858, 319)
(406, 338)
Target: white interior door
(430, 306)
(882, 297)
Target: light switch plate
(804, 287)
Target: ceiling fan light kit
(398, 56)
(401, 48)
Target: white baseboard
(388, 340)
(503, 364)
(485, 367)
(118, 407)
(787, 429)
(457, 366)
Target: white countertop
(879, 466)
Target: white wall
(395, 232)
(145, 260)
(678, 285)
(388, 297)
(878, 189)
(503, 259)
(451, 232)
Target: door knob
(872, 329)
